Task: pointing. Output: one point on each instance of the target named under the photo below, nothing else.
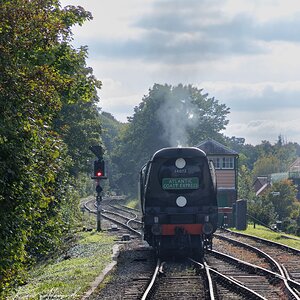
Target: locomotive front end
(179, 201)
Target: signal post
(99, 173)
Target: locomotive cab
(178, 200)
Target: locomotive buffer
(99, 173)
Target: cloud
(280, 30)
(263, 96)
(243, 53)
(258, 130)
(122, 106)
(260, 111)
(178, 32)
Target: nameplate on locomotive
(190, 183)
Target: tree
(274, 158)
(245, 184)
(78, 121)
(41, 78)
(283, 196)
(266, 165)
(248, 154)
(295, 216)
(167, 116)
(111, 129)
(262, 210)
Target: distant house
(226, 164)
(261, 184)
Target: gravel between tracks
(135, 260)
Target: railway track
(177, 280)
(130, 215)
(127, 223)
(258, 276)
(280, 259)
(264, 283)
(190, 279)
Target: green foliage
(266, 233)
(279, 203)
(282, 154)
(295, 217)
(274, 158)
(111, 129)
(47, 116)
(78, 121)
(133, 203)
(265, 159)
(266, 165)
(283, 196)
(71, 278)
(262, 210)
(259, 208)
(167, 116)
(245, 184)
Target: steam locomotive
(178, 195)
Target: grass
(134, 203)
(279, 237)
(69, 276)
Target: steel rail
(295, 284)
(208, 277)
(270, 259)
(128, 212)
(230, 281)
(266, 272)
(111, 219)
(134, 219)
(122, 216)
(121, 224)
(153, 279)
(282, 274)
(255, 238)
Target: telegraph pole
(99, 173)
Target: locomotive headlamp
(180, 163)
(181, 201)
(206, 218)
(208, 228)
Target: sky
(244, 53)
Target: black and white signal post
(99, 173)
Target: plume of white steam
(176, 116)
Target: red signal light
(99, 173)
(99, 168)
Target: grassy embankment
(279, 237)
(69, 275)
